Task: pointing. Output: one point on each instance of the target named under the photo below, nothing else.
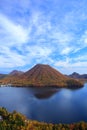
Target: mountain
(84, 76)
(78, 76)
(2, 76)
(74, 75)
(41, 76)
(16, 73)
(11, 78)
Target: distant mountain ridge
(2, 76)
(78, 76)
(40, 76)
(16, 73)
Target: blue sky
(50, 32)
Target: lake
(48, 105)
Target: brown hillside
(42, 76)
(42, 72)
(15, 73)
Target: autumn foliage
(17, 121)
(40, 76)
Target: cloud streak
(43, 32)
(12, 33)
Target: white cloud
(11, 33)
(15, 51)
(63, 63)
(81, 58)
(80, 64)
(30, 34)
(66, 50)
(38, 54)
(71, 62)
(10, 59)
(38, 51)
(70, 65)
(83, 39)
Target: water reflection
(48, 105)
(44, 93)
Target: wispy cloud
(11, 33)
(69, 65)
(32, 32)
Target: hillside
(16, 121)
(16, 73)
(41, 76)
(74, 75)
(79, 76)
(2, 76)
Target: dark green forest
(17, 121)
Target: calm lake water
(48, 105)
